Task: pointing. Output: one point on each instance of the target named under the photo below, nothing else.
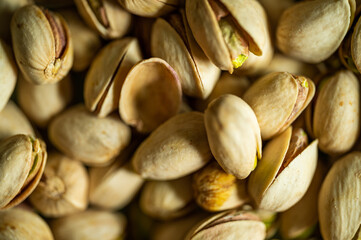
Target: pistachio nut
(234, 135)
(334, 118)
(150, 8)
(42, 102)
(91, 140)
(339, 200)
(13, 121)
(216, 190)
(311, 31)
(63, 188)
(24, 225)
(167, 199)
(355, 47)
(172, 40)
(90, 225)
(229, 225)
(150, 84)
(42, 44)
(8, 74)
(276, 185)
(227, 30)
(175, 149)
(86, 41)
(105, 16)
(107, 73)
(22, 163)
(278, 99)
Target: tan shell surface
(150, 8)
(356, 45)
(340, 199)
(82, 136)
(234, 134)
(175, 149)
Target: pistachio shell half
(42, 44)
(285, 171)
(22, 163)
(150, 8)
(151, 94)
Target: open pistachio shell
(42, 44)
(356, 45)
(229, 225)
(22, 163)
(23, 224)
(105, 16)
(173, 41)
(150, 84)
(150, 8)
(312, 30)
(8, 74)
(285, 171)
(91, 140)
(13, 121)
(156, 157)
(216, 190)
(278, 99)
(42, 102)
(90, 225)
(63, 188)
(234, 135)
(340, 199)
(107, 73)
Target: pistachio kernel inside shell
(98, 9)
(36, 159)
(58, 32)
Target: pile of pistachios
(180, 119)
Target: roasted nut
(150, 8)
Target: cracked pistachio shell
(91, 140)
(234, 135)
(107, 73)
(216, 190)
(13, 121)
(43, 49)
(107, 17)
(150, 8)
(276, 186)
(173, 41)
(23, 224)
(278, 99)
(63, 188)
(22, 163)
(150, 84)
(8, 74)
(229, 225)
(175, 149)
(312, 30)
(248, 14)
(42, 102)
(167, 199)
(335, 120)
(90, 225)
(340, 199)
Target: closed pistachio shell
(175, 149)
(150, 8)
(8, 74)
(91, 140)
(285, 171)
(173, 41)
(278, 99)
(234, 135)
(63, 189)
(22, 162)
(340, 199)
(23, 224)
(107, 17)
(42, 44)
(313, 30)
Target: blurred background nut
(42, 44)
(63, 188)
(23, 224)
(150, 8)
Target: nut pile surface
(180, 119)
